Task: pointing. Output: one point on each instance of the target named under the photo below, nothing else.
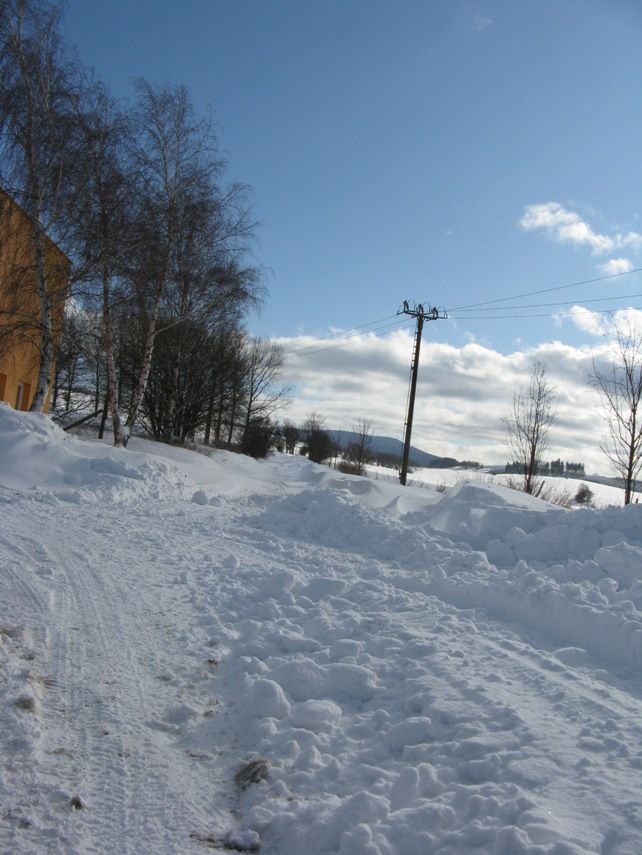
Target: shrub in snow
(258, 438)
(318, 441)
(349, 468)
(557, 497)
(584, 495)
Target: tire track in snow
(142, 770)
(11, 567)
(25, 613)
(98, 716)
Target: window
(22, 396)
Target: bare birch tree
(263, 392)
(528, 427)
(192, 233)
(358, 450)
(171, 154)
(105, 204)
(620, 389)
(317, 438)
(291, 435)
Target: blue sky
(445, 152)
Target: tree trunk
(56, 389)
(97, 382)
(141, 385)
(233, 406)
(46, 330)
(210, 413)
(248, 415)
(112, 397)
(219, 415)
(169, 428)
(630, 470)
(103, 418)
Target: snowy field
(603, 494)
(393, 672)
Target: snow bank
(576, 576)
(37, 455)
(329, 677)
(413, 672)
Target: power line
(546, 290)
(312, 349)
(383, 324)
(561, 303)
(568, 314)
(293, 348)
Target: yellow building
(20, 312)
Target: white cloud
(568, 227)
(616, 265)
(593, 323)
(564, 225)
(463, 392)
(632, 239)
(601, 323)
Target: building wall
(19, 303)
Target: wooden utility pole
(420, 315)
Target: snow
(202, 651)
(603, 493)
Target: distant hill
(388, 450)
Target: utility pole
(417, 312)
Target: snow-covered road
(444, 674)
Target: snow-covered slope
(562, 488)
(448, 673)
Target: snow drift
(409, 671)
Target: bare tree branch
(528, 427)
(620, 389)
